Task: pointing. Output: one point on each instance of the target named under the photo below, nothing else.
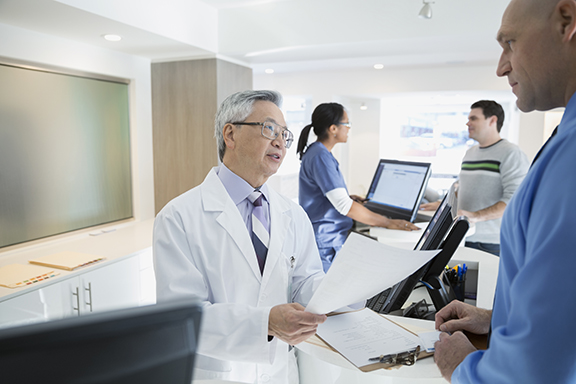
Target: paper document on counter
(364, 334)
(428, 339)
(363, 268)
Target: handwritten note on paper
(360, 335)
(363, 268)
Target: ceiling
(289, 35)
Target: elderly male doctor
(208, 246)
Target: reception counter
(319, 364)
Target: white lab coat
(202, 251)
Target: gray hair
(237, 107)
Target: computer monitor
(397, 188)
(437, 227)
(144, 345)
(443, 232)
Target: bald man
(531, 338)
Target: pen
(382, 358)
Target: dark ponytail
(323, 117)
(303, 140)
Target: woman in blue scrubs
(322, 190)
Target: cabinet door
(47, 303)
(115, 286)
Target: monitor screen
(432, 238)
(153, 344)
(397, 188)
(437, 227)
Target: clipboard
(390, 361)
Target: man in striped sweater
(491, 172)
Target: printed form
(363, 268)
(364, 334)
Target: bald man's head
(538, 49)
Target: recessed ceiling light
(378, 66)
(269, 71)
(112, 37)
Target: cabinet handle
(77, 309)
(89, 289)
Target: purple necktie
(260, 234)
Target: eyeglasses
(345, 124)
(272, 130)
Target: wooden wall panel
(232, 78)
(185, 98)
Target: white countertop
(117, 242)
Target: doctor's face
(256, 157)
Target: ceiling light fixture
(269, 71)
(378, 66)
(426, 11)
(112, 37)
(363, 107)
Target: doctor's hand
(449, 352)
(459, 316)
(291, 324)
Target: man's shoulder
(182, 201)
(509, 146)
(192, 198)
(498, 149)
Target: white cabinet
(123, 283)
(34, 306)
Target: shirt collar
(237, 187)
(569, 114)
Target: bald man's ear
(228, 134)
(566, 13)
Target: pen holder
(459, 288)
(457, 278)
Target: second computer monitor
(143, 345)
(397, 188)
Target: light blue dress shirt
(239, 190)
(533, 338)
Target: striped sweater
(489, 175)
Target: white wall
(30, 46)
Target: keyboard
(394, 297)
(378, 302)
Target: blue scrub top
(319, 174)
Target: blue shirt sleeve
(533, 335)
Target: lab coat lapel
(215, 198)
(279, 222)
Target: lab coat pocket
(208, 368)
(290, 263)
